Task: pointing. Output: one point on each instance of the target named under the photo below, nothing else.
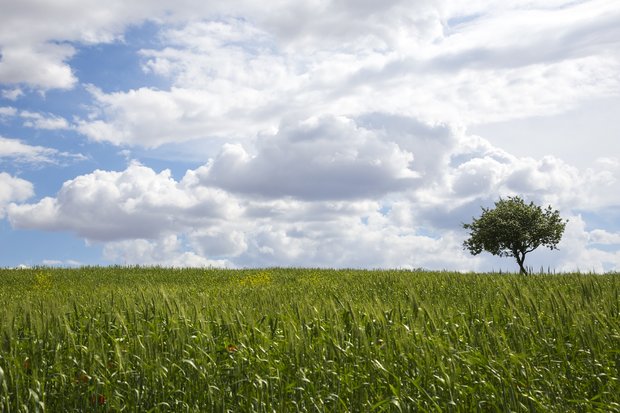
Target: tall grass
(285, 340)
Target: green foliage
(306, 340)
(514, 229)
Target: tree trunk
(520, 260)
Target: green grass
(287, 340)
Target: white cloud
(34, 36)
(325, 158)
(40, 121)
(366, 241)
(17, 151)
(484, 170)
(578, 136)
(35, 119)
(146, 217)
(12, 94)
(237, 77)
(352, 25)
(600, 236)
(42, 66)
(215, 242)
(546, 34)
(166, 252)
(446, 32)
(135, 203)
(13, 189)
(149, 117)
(7, 111)
(576, 253)
(61, 263)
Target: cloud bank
(295, 205)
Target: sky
(322, 133)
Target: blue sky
(328, 133)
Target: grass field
(287, 340)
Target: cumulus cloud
(478, 173)
(215, 217)
(325, 158)
(135, 203)
(166, 252)
(363, 241)
(13, 189)
(43, 66)
(548, 179)
(147, 217)
(576, 251)
(216, 242)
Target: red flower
(97, 399)
(82, 378)
(231, 348)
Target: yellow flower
(43, 280)
(261, 278)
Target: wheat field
(131, 339)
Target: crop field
(123, 339)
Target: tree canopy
(513, 229)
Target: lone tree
(513, 228)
